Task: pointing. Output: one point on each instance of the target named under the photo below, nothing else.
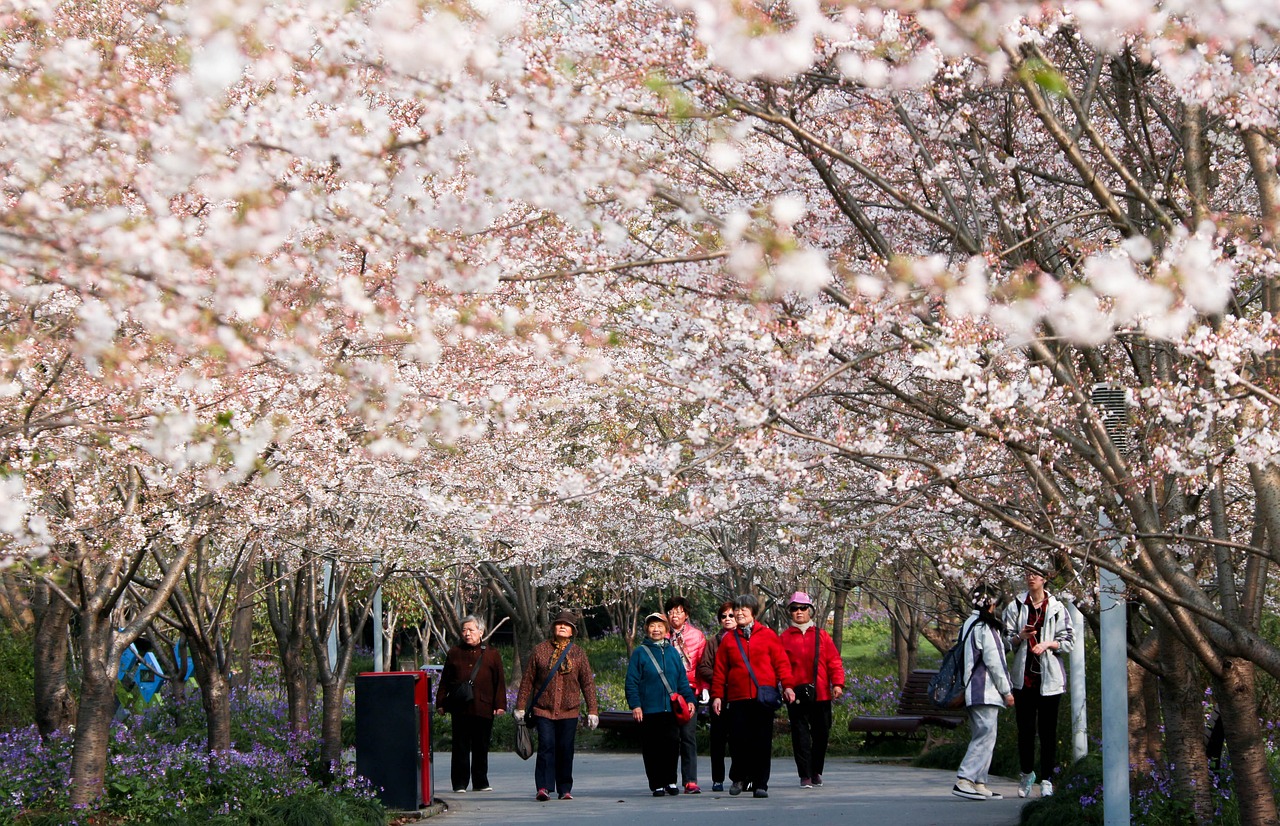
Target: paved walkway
(609, 789)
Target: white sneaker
(987, 793)
(1025, 782)
(966, 789)
(1046, 788)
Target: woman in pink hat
(819, 676)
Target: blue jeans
(554, 768)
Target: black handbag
(808, 692)
(768, 695)
(524, 743)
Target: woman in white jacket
(986, 692)
(1038, 625)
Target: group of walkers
(1037, 627)
(740, 677)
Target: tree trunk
(1236, 695)
(97, 705)
(215, 698)
(331, 721)
(1145, 743)
(286, 611)
(1181, 700)
(55, 705)
(839, 602)
(242, 623)
(294, 671)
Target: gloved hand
(519, 714)
(705, 697)
(593, 720)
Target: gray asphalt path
(609, 789)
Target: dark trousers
(751, 742)
(718, 730)
(660, 746)
(471, 737)
(554, 768)
(1037, 715)
(688, 750)
(810, 732)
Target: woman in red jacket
(819, 675)
(750, 666)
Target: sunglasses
(801, 607)
(727, 616)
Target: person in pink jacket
(819, 676)
(689, 642)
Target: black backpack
(946, 689)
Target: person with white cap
(562, 678)
(819, 676)
(654, 672)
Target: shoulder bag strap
(475, 669)
(551, 674)
(750, 672)
(662, 672)
(817, 644)
(963, 637)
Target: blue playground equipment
(143, 670)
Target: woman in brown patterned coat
(555, 714)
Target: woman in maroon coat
(473, 720)
(750, 649)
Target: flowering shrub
(159, 771)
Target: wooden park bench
(916, 714)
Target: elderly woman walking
(654, 672)
(473, 689)
(819, 676)
(750, 667)
(561, 678)
(717, 728)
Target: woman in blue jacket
(649, 698)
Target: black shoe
(659, 793)
(760, 793)
(673, 789)
(717, 787)
(736, 788)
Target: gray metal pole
(1112, 639)
(377, 624)
(333, 630)
(1079, 716)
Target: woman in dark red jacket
(750, 649)
(473, 719)
(819, 675)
